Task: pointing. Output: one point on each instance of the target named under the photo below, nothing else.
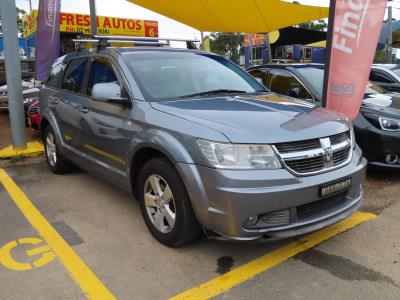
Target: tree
(20, 15)
(228, 44)
(319, 25)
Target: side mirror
(109, 92)
(294, 92)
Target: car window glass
(100, 72)
(261, 74)
(74, 75)
(55, 75)
(170, 75)
(378, 77)
(282, 82)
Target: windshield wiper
(214, 92)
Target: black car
(377, 126)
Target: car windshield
(315, 77)
(164, 75)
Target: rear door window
(74, 74)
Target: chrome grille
(316, 155)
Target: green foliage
(319, 25)
(380, 57)
(228, 44)
(20, 15)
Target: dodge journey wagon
(202, 145)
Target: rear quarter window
(55, 76)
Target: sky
(167, 27)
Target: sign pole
(13, 72)
(331, 22)
(93, 23)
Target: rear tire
(56, 162)
(165, 204)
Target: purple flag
(47, 37)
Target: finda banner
(354, 28)
(48, 37)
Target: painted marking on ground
(243, 273)
(7, 260)
(79, 271)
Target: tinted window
(378, 77)
(282, 82)
(173, 74)
(74, 75)
(261, 74)
(55, 75)
(100, 72)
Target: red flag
(354, 29)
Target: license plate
(335, 187)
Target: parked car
(27, 70)
(33, 116)
(386, 76)
(377, 127)
(29, 91)
(201, 144)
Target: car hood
(382, 104)
(262, 118)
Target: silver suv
(201, 144)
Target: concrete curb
(32, 149)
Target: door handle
(84, 110)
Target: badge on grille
(327, 147)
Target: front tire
(56, 162)
(165, 204)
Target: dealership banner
(48, 37)
(106, 25)
(354, 29)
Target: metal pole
(93, 23)
(390, 35)
(202, 40)
(13, 72)
(267, 41)
(251, 49)
(30, 5)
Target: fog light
(391, 158)
(251, 221)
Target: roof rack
(104, 41)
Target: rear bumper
(223, 200)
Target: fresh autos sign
(80, 23)
(354, 28)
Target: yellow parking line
(80, 272)
(222, 283)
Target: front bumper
(377, 143)
(223, 200)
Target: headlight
(389, 124)
(239, 156)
